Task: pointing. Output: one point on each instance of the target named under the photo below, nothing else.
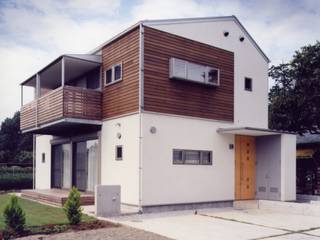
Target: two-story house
(174, 111)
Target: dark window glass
(213, 76)
(117, 72)
(192, 157)
(248, 84)
(43, 157)
(177, 157)
(109, 76)
(206, 158)
(118, 152)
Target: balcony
(68, 106)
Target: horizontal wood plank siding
(28, 115)
(81, 103)
(66, 102)
(122, 97)
(164, 95)
(50, 106)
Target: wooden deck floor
(56, 196)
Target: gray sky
(34, 32)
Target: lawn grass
(37, 214)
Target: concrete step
(245, 204)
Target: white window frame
(187, 74)
(113, 81)
(183, 161)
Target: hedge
(16, 179)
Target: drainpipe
(34, 161)
(141, 69)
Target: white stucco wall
(126, 171)
(165, 183)
(43, 170)
(250, 108)
(288, 167)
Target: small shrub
(14, 216)
(72, 207)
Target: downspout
(141, 77)
(34, 161)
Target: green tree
(295, 97)
(12, 143)
(14, 216)
(72, 207)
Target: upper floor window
(184, 70)
(248, 84)
(113, 74)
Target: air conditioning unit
(193, 72)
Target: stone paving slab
(276, 220)
(314, 232)
(295, 236)
(191, 227)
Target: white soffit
(247, 131)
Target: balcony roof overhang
(249, 131)
(66, 126)
(75, 64)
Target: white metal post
(21, 95)
(38, 86)
(62, 71)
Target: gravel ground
(116, 233)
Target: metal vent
(273, 189)
(262, 189)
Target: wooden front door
(245, 167)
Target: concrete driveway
(227, 223)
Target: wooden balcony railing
(63, 102)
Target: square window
(177, 157)
(117, 72)
(213, 76)
(206, 158)
(248, 84)
(118, 152)
(108, 76)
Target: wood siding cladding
(63, 102)
(164, 95)
(122, 97)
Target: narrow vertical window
(117, 72)
(43, 158)
(119, 153)
(248, 84)
(108, 76)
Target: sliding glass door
(92, 148)
(76, 166)
(80, 166)
(61, 166)
(85, 164)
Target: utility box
(107, 200)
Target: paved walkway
(226, 224)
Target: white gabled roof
(185, 20)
